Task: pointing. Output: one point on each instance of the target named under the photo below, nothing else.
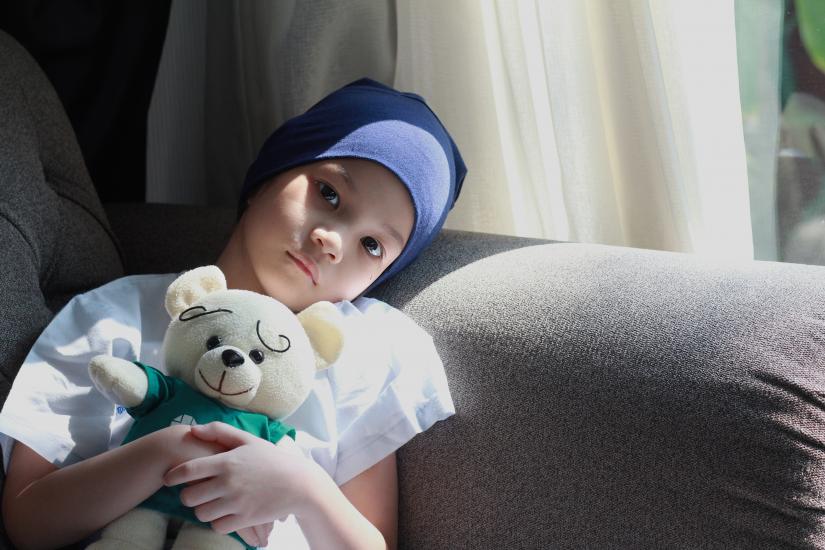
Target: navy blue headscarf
(368, 120)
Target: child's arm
(47, 507)
(372, 494)
(257, 481)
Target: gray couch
(607, 397)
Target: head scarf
(368, 120)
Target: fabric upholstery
(607, 397)
(165, 238)
(620, 398)
(55, 238)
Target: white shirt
(387, 386)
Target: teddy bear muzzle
(228, 375)
(232, 358)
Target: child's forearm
(77, 500)
(331, 521)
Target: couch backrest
(54, 238)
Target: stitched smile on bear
(220, 385)
(227, 374)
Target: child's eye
(372, 247)
(329, 194)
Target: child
(339, 199)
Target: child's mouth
(303, 267)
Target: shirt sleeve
(389, 385)
(278, 430)
(159, 389)
(53, 407)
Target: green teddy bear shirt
(171, 401)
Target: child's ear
(192, 286)
(324, 324)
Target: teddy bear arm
(121, 381)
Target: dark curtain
(102, 58)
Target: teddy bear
(230, 355)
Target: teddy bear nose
(231, 358)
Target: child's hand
(251, 484)
(178, 445)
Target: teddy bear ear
(192, 286)
(324, 325)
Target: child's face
(312, 234)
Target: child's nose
(330, 243)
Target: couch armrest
(617, 398)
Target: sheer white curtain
(589, 120)
(233, 70)
(609, 121)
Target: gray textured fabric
(55, 239)
(165, 238)
(619, 398)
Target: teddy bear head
(245, 349)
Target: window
(781, 54)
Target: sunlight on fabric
(524, 119)
(697, 44)
(602, 121)
(669, 90)
(610, 122)
(90, 344)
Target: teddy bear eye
(213, 342)
(257, 356)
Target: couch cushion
(618, 398)
(55, 238)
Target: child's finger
(202, 492)
(251, 537)
(227, 524)
(213, 511)
(263, 531)
(193, 470)
(221, 433)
